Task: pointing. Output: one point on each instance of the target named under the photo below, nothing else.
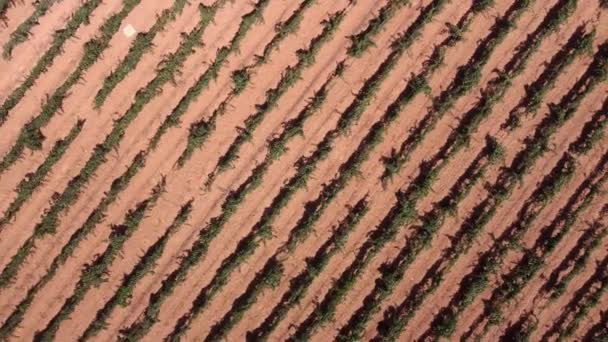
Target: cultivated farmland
(271, 170)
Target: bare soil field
(271, 170)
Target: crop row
(329, 248)
(313, 268)
(574, 262)
(95, 273)
(144, 95)
(140, 45)
(537, 90)
(148, 261)
(433, 278)
(304, 169)
(392, 272)
(98, 214)
(31, 181)
(311, 108)
(80, 16)
(50, 220)
(535, 147)
(585, 298)
(31, 135)
(533, 259)
(423, 187)
(350, 167)
(459, 138)
(201, 129)
(22, 32)
(469, 75)
(200, 247)
(247, 245)
(211, 73)
(306, 58)
(361, 41)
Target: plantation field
(271, 170)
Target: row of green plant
(4, 6)
(361, 41)
(251, 242)
(314, 267)
(347, 170)
(146, 264)
(331, 246)
(200, 247)
(586, 297)
(50, 220)
(467, 77)
(95, 273)
(201, 129)
(459, 138)
(535, 146)
(393, 272)
(117, 186)
(425, 185)
(536, 91)
(140, 46)
(574, 262)
(80, 16)
(31, 181)
(31, 135)
(67, 251)
(349, 116)
(268, 277)
(396, 319)
(533, 259)
(593, 131)
(263, 228)
(551, 235)
(211, 73)
(306, 58)
(599, 331)
(23, 31)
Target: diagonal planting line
(201, 129)
(125, 291)
(79, 17)
(535, 147)
(23, 31)
(306, 58)
(119, 184)
(30, 135)
(277, 147)
(140, 46)
(550, 236)
(50, 220)
(271, 274)
(31, 181)
(207, 234)
(263, 231)
(313, 267)
(457, 140)
(93, 274)
(465, 78)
